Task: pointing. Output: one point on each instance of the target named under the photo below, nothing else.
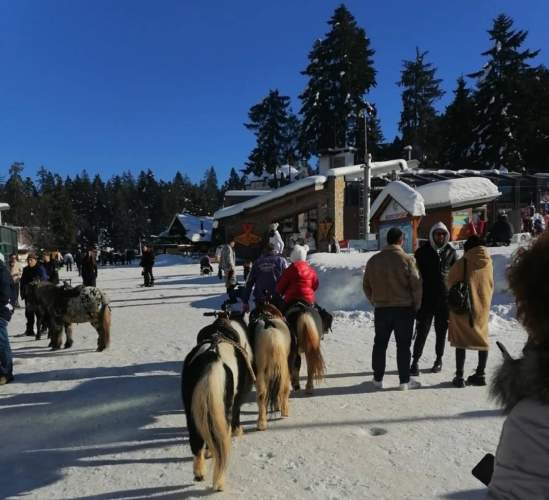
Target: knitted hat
(299, 252)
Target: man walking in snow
(434, 260)
(393, 286)
(227, 262)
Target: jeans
(401, 321)
(423, 325)
(148, 275)
(6, 364)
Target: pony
(307, 329)
(216, 378)
(59, 307)
(272, 346)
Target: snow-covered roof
(246, 192)
(378, 168)
(198, 228)
(314, 180)
(287, 171)
(456, 193)
(406, 196)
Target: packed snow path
(82, 424)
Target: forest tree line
(498, 118)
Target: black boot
(414, 369)
(437, 366)
(458, 380)
(477, 379)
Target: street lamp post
(367, 173)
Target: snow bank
(168, 259)
(340, 277)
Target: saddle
(317, 312)
(216, 334)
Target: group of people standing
(404, 291)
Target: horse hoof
(261, 426)
(219, 487)
(238, 431)
(199, 478)
(309, 391)
(100, 349)
(68, 346)
(38, 337)
(285, 414)
(296, 387)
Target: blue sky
(112, 85)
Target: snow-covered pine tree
(340, 72)
(497, 110)
(456, 129)
(418, 119)
(533, 128)
(273, 124)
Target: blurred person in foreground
(521, 386)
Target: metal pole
(367, 177)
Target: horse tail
(273, 361)
(104, 321)
(309, 340)
(208, 411)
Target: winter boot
(414, 369)
(437, 366)
(458, 382)
(477, 379)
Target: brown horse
(306, 326)
(272, 345)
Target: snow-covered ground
(81, 424)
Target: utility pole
(367, 174)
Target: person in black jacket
(434, 260)
(147, 263)
(502, 231)
(32, 272)
(6, 310)
(89, 268)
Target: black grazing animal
(217, 376)
(307, 328)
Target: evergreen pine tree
(456, 129)
(18, 195)
(418, 119)
(233, 182)
(340, 72)
(275, 129)
(497, 100)
(533, 127)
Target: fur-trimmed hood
(527, 377)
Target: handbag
(459, 296)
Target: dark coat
(147, 259)
(30, 274)
(6, 284)
(434, 267)
(264, 275)
(502, 231)
(89, 269)
(51, 271)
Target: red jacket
(298, 282)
